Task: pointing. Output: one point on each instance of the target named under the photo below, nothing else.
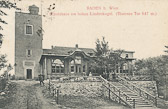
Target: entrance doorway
(29, 73)
(78, 68)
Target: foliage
(166, 49)
(107, 60)
(9, 5)
(156, 68)
(2, 83)
(3, 61)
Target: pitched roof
(65, 51)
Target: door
(78, 68)
(29, 73)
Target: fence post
(133, 87)
(133, 103)
(140, 92)
(53, 92)
(119, 96)
(155, 101)
(147, 95)
(49, 86)
(57, 95)
(109, 91)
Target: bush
(3, 82)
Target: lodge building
(31, 59)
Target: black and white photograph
(83, 54)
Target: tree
(9, 5)
(167, 49)
(107, 60)
(3, 61)
(156, 68)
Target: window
(29, 53)
(91, 54)
(84, 68)
(77, 60)
(126, 56)
(57, 69)
(29, 30)
(57, 66)
(72, 63)
(72, 68)
(62, 69)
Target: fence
(140, 91)
(117, 95)
(136, 77)
(76, 79)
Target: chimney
(33, 10)
(76, 46)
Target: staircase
(139, 101)
(126, 93)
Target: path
(29, 96)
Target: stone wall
(87, 89)
(149, 86)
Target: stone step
(139, 101)
(143, 106)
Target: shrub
(3, 82)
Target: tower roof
(33, 9)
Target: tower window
(29, 53)
(29, 29)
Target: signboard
(28, 63)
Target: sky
(139, 26)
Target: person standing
(41, 79)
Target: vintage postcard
(83, 54)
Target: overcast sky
(145, 34)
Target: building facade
(31, 59)
(66, 61)
(127, 67)
(28, 44)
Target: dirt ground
(26, 95)
(30, 95)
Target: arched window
(57, 66)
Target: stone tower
(28, 43)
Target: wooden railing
(54, 90)
(140, 91)
(117, 95)
(76, 78)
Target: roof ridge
(72, 47)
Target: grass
(81, 102)
(8, 97)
